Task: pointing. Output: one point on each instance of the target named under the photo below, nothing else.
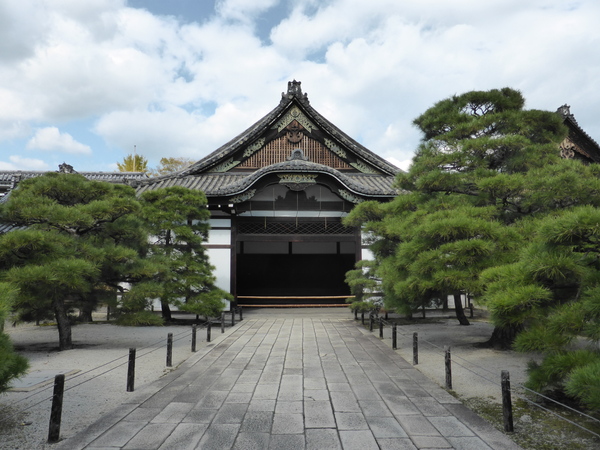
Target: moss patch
(537, 429)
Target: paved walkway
(292, 383)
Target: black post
(386, 315)
(170, 350)
(381, 328)
(222, 322)
(107, 313)
(232, 317)
(241, 314)
(56, 411)
(362, 317)
(415, 348)
(131, 370)
(507, 402)
(448, 361)
(194, 331)
(356, 314)
(208, 325)
(394, 336)
(371, 322)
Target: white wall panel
(221, 259)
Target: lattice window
(280, 149)
(294, 228)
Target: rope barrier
(182, 335)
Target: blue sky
(86, 82)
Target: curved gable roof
(223, 172)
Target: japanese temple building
(277, 194)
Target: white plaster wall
(220, 258)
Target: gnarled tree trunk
(502, 338)
(460, 312)
(63, 324)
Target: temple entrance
(294, 270)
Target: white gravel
(100, 358)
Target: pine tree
(82, 241)
(484, 165)
(177, 218)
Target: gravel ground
(100, 361)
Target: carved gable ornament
(297, 181)
(298, 116)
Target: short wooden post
(107, 313)
(415, 348)
(386, 315)
(241, 314)
(448, 363)
(356, 314)
(222, 322)
(208, 325)
(394, 336)
(381, 327)
(56, 411)
(371, 322)
(424, 312)
(507, 402)
(131, 371)
(170, 350)
(362, 317)
(232, 318)
(194, 331)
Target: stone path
(292, 383)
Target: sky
(89, 82)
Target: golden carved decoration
(254, 147)
(294, 114)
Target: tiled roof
(226, 184)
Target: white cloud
(369, 67)
(51, 139)
(19, 163)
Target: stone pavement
(292, 382)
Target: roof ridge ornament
(294, 90)
(565, 111)
(65, 168)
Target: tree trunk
(166, 310)
(63, 324)
(86, 309)
(502, 338)
(460, 312)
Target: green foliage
(206, 304)
(81, 243)
(12, 365)
(143, 318)
(583, 382)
